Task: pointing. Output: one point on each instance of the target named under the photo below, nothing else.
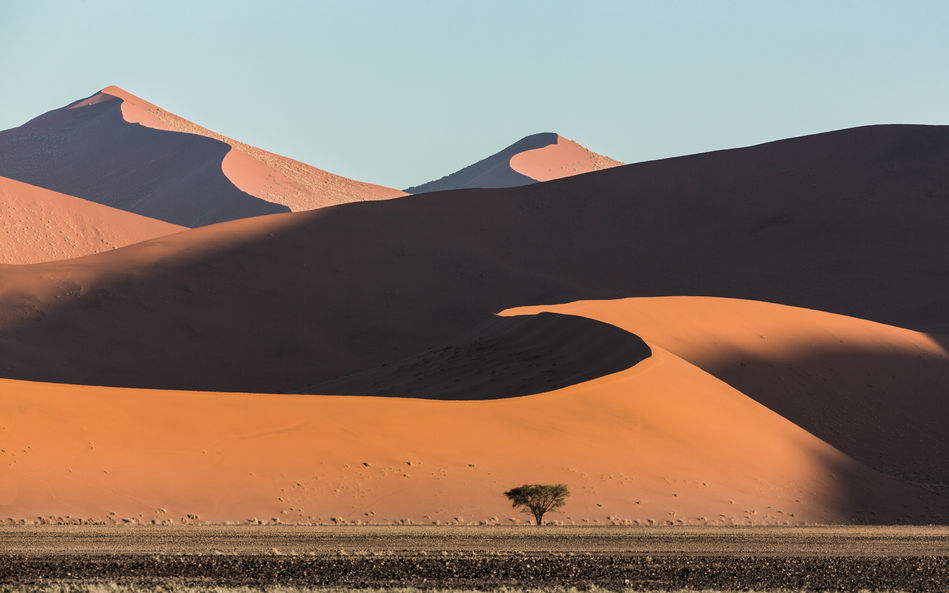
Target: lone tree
(537, 499)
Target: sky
(402, 92)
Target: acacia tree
(537, 499)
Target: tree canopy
(537, 499)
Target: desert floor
(477, 558)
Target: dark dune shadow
(867, 497)
(888, 409)
(491, 172)
(93, 153)
(506, 357)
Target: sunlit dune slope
(39, 225)
(845, 222)
(874, 391)
(662, 442)
(561, 159)
(538, 157)
(263, 174)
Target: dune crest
(538, 157)
(563, 159)
(263, 174)
(87, 149)
(875, 391)
(39, 225)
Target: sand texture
(38, 225)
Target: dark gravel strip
(480, 571)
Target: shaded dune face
(169, 176)
(38, 225)
(506, 357)
(850, 222)
(873, 391)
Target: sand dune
(166, 168)
(662, 442)
(843, 222)
(539, 157)
(38, 225)
(263, 174)
(874, 391)
(88, 150)
(846, 222)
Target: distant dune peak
(109, 93)
(561, 158)
(116, 91)
(90, 150)
(113, 93)
(262, 174)
(193, 177)
(538, 157)
(534, 141)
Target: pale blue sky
(400, 92)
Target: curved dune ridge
(661, 442)
(121, 151)
(263, 174)
(538, 157)
(88, 150)
(38, 225)
(874, 391)
(505, 357)
(563, 159)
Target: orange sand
(663, 442)
(260, 173)
(563, 159)
(38, 225)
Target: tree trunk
(539, 517)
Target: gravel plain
(481, 558)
